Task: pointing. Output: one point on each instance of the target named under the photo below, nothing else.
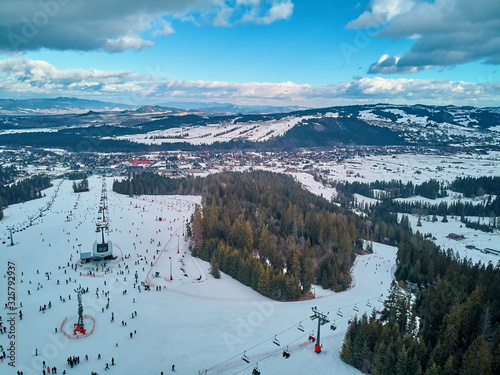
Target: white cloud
(391, 7)
(126, 42)
(381, 12)
(279, 11)
(20, 77)
(162, 28)
(368, 20)
(389, 65)
(117, 25)
(445, 32)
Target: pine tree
(346, 351)
(264, 279)
(477, 359)
(450, 367)
(197, 230)
(214, 268)
(495, 359)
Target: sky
(312, 53)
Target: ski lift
(381, 298)
(333, 327)
(300, 328)
(311, 337)
(355, 308)
(368, 304)
(245, 357)
(286, 353)
(255, 370)
(276, 341)
(339, 313)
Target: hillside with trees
(448, 324)
(21, 191)
(254, 225)
(487, 210)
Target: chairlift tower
(80, 323)
(11, 239)
(322, 319)
(102, 249)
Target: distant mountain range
(228, 108)
(108, 126)
(54, 106)
(64, 105)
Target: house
(456, 237)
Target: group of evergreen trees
(449, 326)
(488, 208)
(393, 189)
(20, 191)
(256, 224)
(387, 192)
(82, 186)
(253, 225)
(7, 174)
(72, 176)
(476, 186)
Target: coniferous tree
(477, 359)
(214, 268)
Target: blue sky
(277, 52)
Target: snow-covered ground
(195, 322)
(219, 132)
(480, 240)
(415, 167)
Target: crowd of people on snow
(124, 269)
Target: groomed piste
(154, 305)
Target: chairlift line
(256, 370)
(333, 326)
(276, 341)
(245, 357)
(300, 328)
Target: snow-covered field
(220, 132)
(200, 324)
(480, 240)
(415, 167)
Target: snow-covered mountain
(62, 105)
(154, 126)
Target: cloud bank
(21, 77)
(446, 32)
(118, 25)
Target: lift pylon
(322, 319)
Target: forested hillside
(450, 325)
(21, 191)
(255, 224)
